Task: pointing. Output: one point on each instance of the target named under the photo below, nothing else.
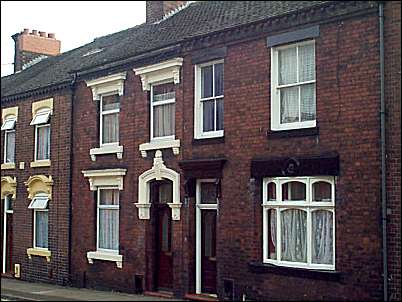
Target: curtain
(307, 102)
(219, 114)
(110, 131)
(322, 229)
(287, 60)
(206, 82)
(289, 105)
(164, 120)
(208, 115)
(10, 156)
(306, 63)
(43, 143)
(41, 229)
(109, 229)
(294, 235)
(272, 249)
(218, 79)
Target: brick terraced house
(228, 150)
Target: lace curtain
(164, 120)
(110, 131)
(109, 220)
(322, 237)
(43, 143)
(10, 151)
(41, 229)
(294, 235)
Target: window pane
(271, 191)
(110, 102)
(110, 128)
(271, 234)
(9, 203)
(208, 115)
(163, 92)
(219, 114)
(209, 232)
(43, 143)
(165, 192)
(165, 244)
(306, 63)
(10, 137)
(164, 120)
(322, 228)
(206, 82)
(218, 79)
(208, 192)
(293, 191)
(322, 191)
(8, 124)
(307, 102)
(41, 118)
(109, 229)
(109, 197)
(289, 105)
(294, 235)
(287, 66)
(41, 229)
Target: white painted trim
(157, 172)
(106, 256)
(308, 206)
(275, 91)
(198, 230)
(160, 72)
(106, 177)
(198, 108)
(106, 149)
(160, 144)
(107, 84)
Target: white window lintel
(107, 84)
(107, 177)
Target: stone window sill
(107, 149)
(98, 255)
(40, 163)
(293, 133)
(8, 166)
(265, 268)
(160, 144)
(39, 252)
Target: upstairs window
(109, 119)
(209, 100)
(42, 134)
(9, 139)
(163, 99)
(293, 86)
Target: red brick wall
(38, 269)
(392, 32)
(348, 115)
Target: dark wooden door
(9, 243)
(208, 251)
(164, 265)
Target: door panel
(9, 243)
(164, 257)
(208, 251)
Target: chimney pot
(34, 32)
(52, 36)
(26, 31)
(42, 33)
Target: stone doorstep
(200, 297)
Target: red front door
(164, 258)
(208, 251)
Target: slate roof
(199, 18)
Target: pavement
(17, 290)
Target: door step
(160, 294)
(201, 297)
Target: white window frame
(6, 133)
(198, 108)
(108, 207)
(308, 206)
(199, 207)
(36, 141)
(34, 227)
(275, 89)
(165, 102)
(102, 113)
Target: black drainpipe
(72, 87)
(383, 156)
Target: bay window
(293, 86)
(299, 222)
(108, 220)
(209, 100)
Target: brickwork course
(347, 54)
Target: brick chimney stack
(32, 45)
(155, 10)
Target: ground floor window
(108, 219)
(299, 221)
(41, 220)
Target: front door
(163, 236)
(8, 236)
(208, 251)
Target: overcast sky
(75, 23)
